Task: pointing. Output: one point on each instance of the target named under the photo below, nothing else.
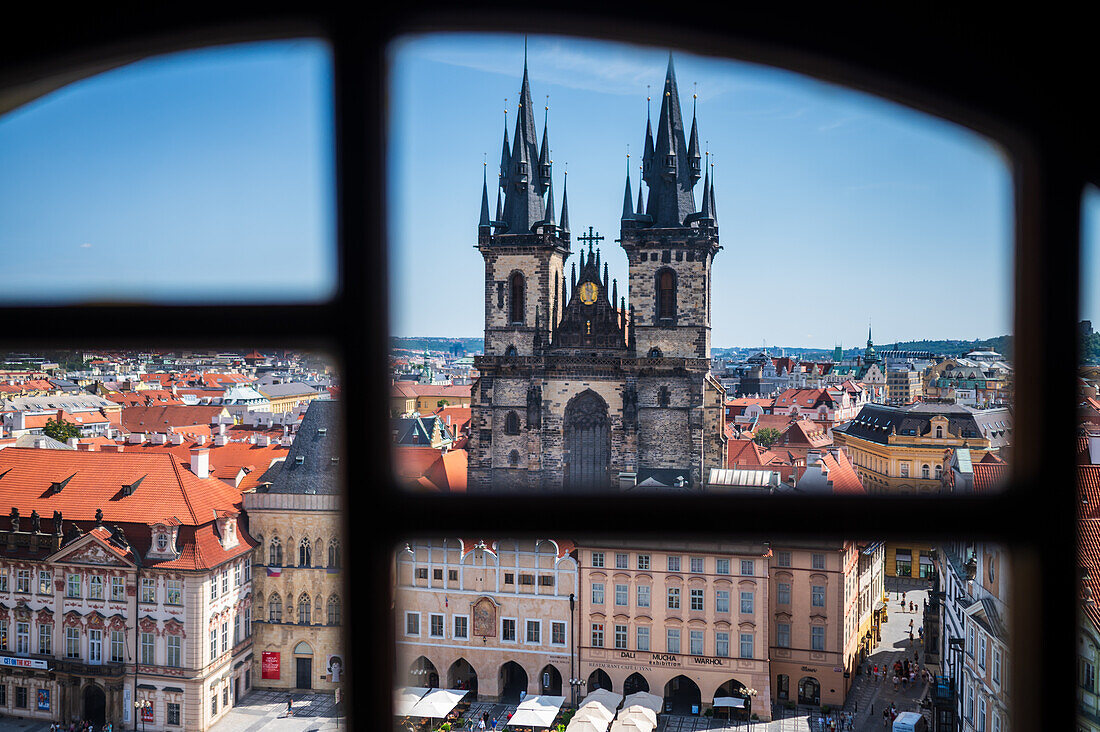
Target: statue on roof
(14, 518)
(36, 522)
(57, 522)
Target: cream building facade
(295, 515)
(492, 617)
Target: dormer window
(162, 542)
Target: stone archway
(462, 675)
(423, 673)
(550, 680)
(682, 696)
(599, 679)
(513, 680)
(587, 443)
(635, 683)
(95, 704)
(809, 691)
(736, 689)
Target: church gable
(89, 549)
(590, 319)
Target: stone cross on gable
(591, 238)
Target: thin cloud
(887, 184)
(836, 124)
(85, 245)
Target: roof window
(299, 460)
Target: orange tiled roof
(1088, 556)
(160, 418)
(842, 475)
(989, 476)
(226, 461)
(412, 462)
(447, 473)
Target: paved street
(266, 710)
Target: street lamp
(141, 705)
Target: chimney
(200, 440)
(200, 462)
(136, 438)
(219, 440)
(177, 439)
(263, 441)
(158, 438)
(112, 448)
(221, 428)
(73, 442)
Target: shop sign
(14, 662)
(126, 704)
(269, 664)
(809, 670)
(147, 714)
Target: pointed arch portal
(587, 443)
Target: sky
(208, 176)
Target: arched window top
(511, 423)
(303, 649)
(666, 294)
(513, 458)
(511, 351)
(334, 553)
(655, 352)
(305, 554)
(516, 294)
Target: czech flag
(274, 571)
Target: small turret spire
(647, 154)
(544, 152)
(713, 208)
(550, 198)
(706, 191)
(628, 204)
(565, 202)
(484, 223)
(640, 211)
(505, 153)
(500, 209)
(605, 276)
(693, 144)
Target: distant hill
(1000, 344)
(455, 346)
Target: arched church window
(334, 553)
(924, 472)
(304, 554)
(304, 607)
(663, 397)
(275, 553)
(513, 458)
(511, 351)
(511, 424)
(666, 294)
(939, 430)
(275, 608)
(333, 610)
(655, 352)
(516, 291)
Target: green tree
(442, 403)
(766, 436)
(60, 430)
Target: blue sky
(192, 177)
(208, 176)
(834, 207)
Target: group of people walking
(82, 725)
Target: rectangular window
(95, 587)
(3, 581)
(783, 635)
(462, 626)
(23, 636)
(174, 592)
(818, 561)
(45, 582)
(422, 573)
(997, 665)
(173, 714)
(225, 580)
(435, 626)
(674, 564)
(72, 643)
(236, 629)
(237, 574)
(621, 561)
(412, 623)
(970, 703)
(722, 601)
(903, 567)
(817, 638)
(452, 575)
(747, 567)
(248, 622)
(981, 714)
(527, 579)
(746, 645)
(817, 593)
(783, 593)
(697, 565)
(437, 574)
(722, 644)
(225, 637)
(118, 589)
(557, 633)
(118, 640)
(695, 642)
(247, 575)
(597, 559)
(981, 653)
(213, 644)
(534, 631)
(597, 593)
(21, 697)
(95, 646)
(213, 589)
(23, 580)
(3, 635)
(597, 635)
(674, 598)
(149, 590)
(620, 636)
(783, 559)
(643, 639)
(722, 566)
(697, 599)
(970, 641)
(509, 578)
(643, 561)
(546, 580)
(746, 602)
(45, 640)
(213, 703)
(621, 595)
(508, 629)
(672, 640)
(643, 595)
(72, 589)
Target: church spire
(647, 154)
(693, 145)
(565, 203)
(524, 181)
(505, 154)
(550, 199)
(544, 152)
(713, 207)
(484, 223)
(706, 192)
(640, 211)
(669, 174)
(628, 205)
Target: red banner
(269, 664)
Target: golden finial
(695, 90)
(548, 102)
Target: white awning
(595, 712)
(729, 701)
(437, 704)
(406, 698)
(631, 724)
(644, 699)
(537, 711)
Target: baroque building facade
(580, 390)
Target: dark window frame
(975, 78)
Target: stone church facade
(579, 389)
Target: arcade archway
(599, 679)
(423, 673)
(462, 675)
(735, 689)
(809, 691)
(550, 680)
(635, 683)
(682, 696)
(513, 680)
(95, 704)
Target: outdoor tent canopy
(729, 701)
(644, 699)
(405, 698)
(537, 711)
(437, 704)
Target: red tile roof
(1088, 556)
(1088, 487)
(160, 418)
(989, 477)
(742, 453)
(842, 475)
(447, 473)
(226, 461)
(412, 462)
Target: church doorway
(587, 443)
(95, 704)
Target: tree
(766, 436)
(442, 403)
(60, 430)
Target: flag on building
(274, 571)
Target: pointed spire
(693, 144)
(525, 184)
(631, 342)
(550, 202)
(622, 316)
(605, 275)
(628, 205)
(573, 286)
(706, 192)
(484, 223)
(505, 155)
(565, 203)
(647, 154)
(500, 209)
(669, 174)
(544, 151)
(614, 292)
(713, 208)
(640, 211)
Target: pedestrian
(885, 717)
(481, 723)
(289, 705)
(895, 683)
(493, 724)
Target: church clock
(589, 292)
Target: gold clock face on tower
(589, 291)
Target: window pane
(223, 153)
(918, 404)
